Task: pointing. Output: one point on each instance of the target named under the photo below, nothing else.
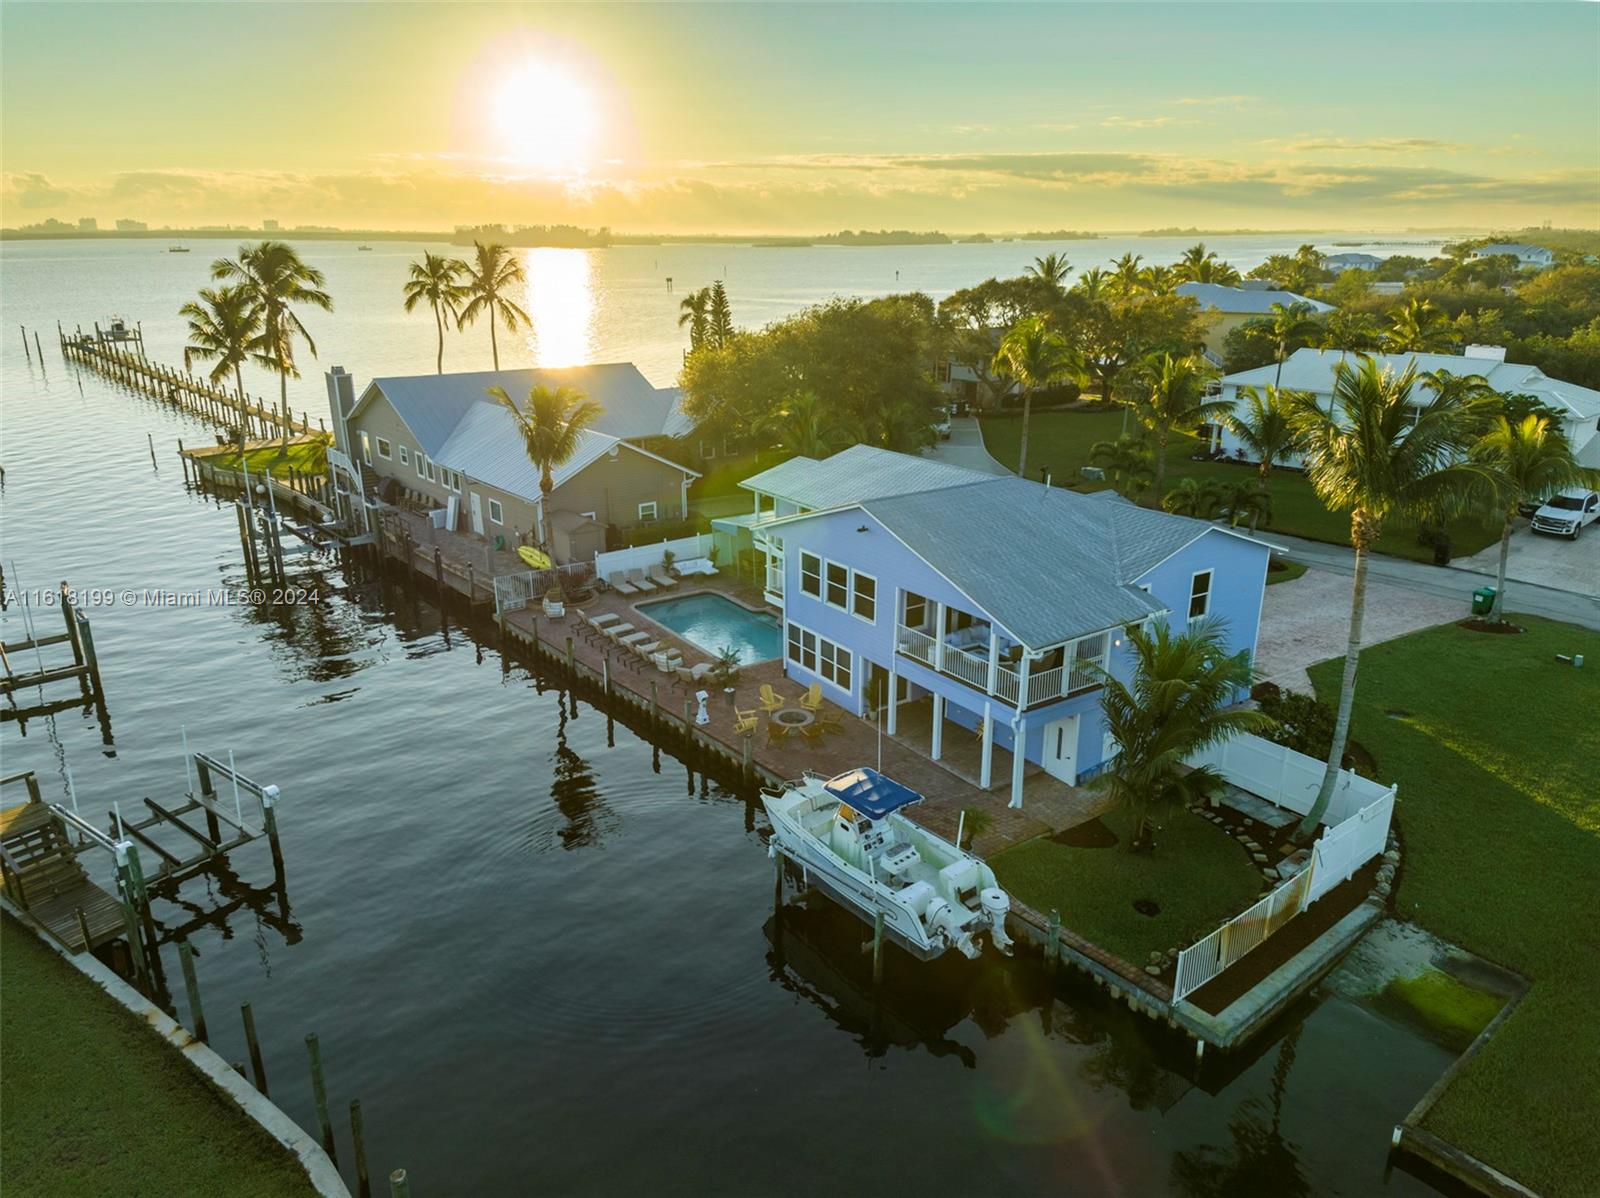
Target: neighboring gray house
(1534, 256)
(1230, 307)
(1350, 261)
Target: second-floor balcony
(1077, 667)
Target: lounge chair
(614, 632)
(639, 582)
(632, 639)
(619, 584)
(661, 578)
(771, 701)
(777, 733)
(684, 677)
(668, 662)
(645, 648)
(812, 699)
(745, 721)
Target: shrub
(1303, 723)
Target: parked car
(1566, 514)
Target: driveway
(1547, 561)
(965, 447)
(1308, 620)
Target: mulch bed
(1503, 627)
(1220, 993)
(1091, 834)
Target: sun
(546, 117)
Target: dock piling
(399, 1184)
(191, 985)
(150, 439)
(319, 1094)
(257, 1065)
(1052, 946)
(25, 348)
(877, 948)
(363, 1181)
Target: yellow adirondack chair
(745, 721)
(771, 701)
(812, 699)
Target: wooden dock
(122, 359)
(40, 872)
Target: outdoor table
(792, 717)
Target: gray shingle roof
(433, 404)
(1046, 564)
(857, 473)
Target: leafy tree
(1180, 699)
(802, 426)
(1301, 272)
(273, 276)
(1523, 461)
(1418, 327)
(436, 281)
(719, 316)
(1113, 335)
(493, 273)
(1127, 278)
(1354, 332)
(1038, 359)
(551, 423)
(1381, 453)
(1200, 265)
(974, 319)
(1170, 397)
(1095, 285)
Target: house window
(810, 574)
(821, 656)
(1200, 595)
(366, 449)
(838, 585)
(708, 450)
(405, 456)
(647, 511)
(803, 647)
(385, 450)
(432, 476)
(916, 610)
(864, 597)
(497, 514)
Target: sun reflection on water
(560, 300)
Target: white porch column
(986, 769)
(1019, 741)
(893, 700)
(994, 659)
(1022, 679)
(938, 634)
(683, 497)
(938, 725)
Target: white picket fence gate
(1337, 854)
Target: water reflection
(560, 301)
(576, 793)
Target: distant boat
(177, 249)
(363, 247)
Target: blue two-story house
(981, 610)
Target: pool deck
(1049, 804)
(752, 652)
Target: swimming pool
(714, 622)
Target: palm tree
(719, 316)
(1378, 453)
(1354, 332)
(435, 281)
(1195, 497)
(694, 311)
(1036, 358)
(273, 276)
(223, 328)
(494, 270)
(1290, 323)
(801, 426)
(1094, 284)
(1160, 280)
(1418, 327)
(1052, 269)
(551, 424)
(1262, 427)
(1126, 274)
(1173, 400)
(1525, 459)
(1180, 700)
(1128, 461)
(1241, 499)
(1200, 265)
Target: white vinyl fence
(642, 557)
(1338, 853)
(1290, 779)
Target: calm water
(715, 623)
(538, 949)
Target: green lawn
(1291, 571)
(96, 1103)
(1494, 744)
(1198, 876)
(308, 457)
(723, 475)
(1060, 441)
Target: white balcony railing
(1044, 686)
(915, 643)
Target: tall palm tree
(273, 276)
(1525, 460)
(1094, 284)
(1172, 399)
(802, 426)
(436, 281)
(490, 277)
(1160, 280)
(1126, 274)
(1195, 497)
(551, 424)
(719, 316)
(1180, 699)
(223, 328)
(1200, 265)
(1036, 358)
(1260, 421)
(1379, 453)
(1418, 327)
(1290, 323)
(1051, 268)
(1354, 332)
(694, 310)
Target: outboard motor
(996, 904)
(941, 918)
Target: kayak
(535, 559)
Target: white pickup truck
(1565, 514)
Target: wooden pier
(41, 874)
(85, 667)
(122, 359)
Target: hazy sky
(777, 118)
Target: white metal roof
(859, 472)
(1250, 300)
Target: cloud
(1373, 145)
(1143, 122)
(1217, 101)
(30, 190)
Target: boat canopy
(869, 792)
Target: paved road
(1574, 607)
(965, 447)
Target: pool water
(715, 622)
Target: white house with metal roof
(1351, 261)
(1535, 256)
(441, 442)
(972, 614)
(1313, 371)
(1230, 307)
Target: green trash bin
(1482, 601)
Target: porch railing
(915, 644)
(1044, 686)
